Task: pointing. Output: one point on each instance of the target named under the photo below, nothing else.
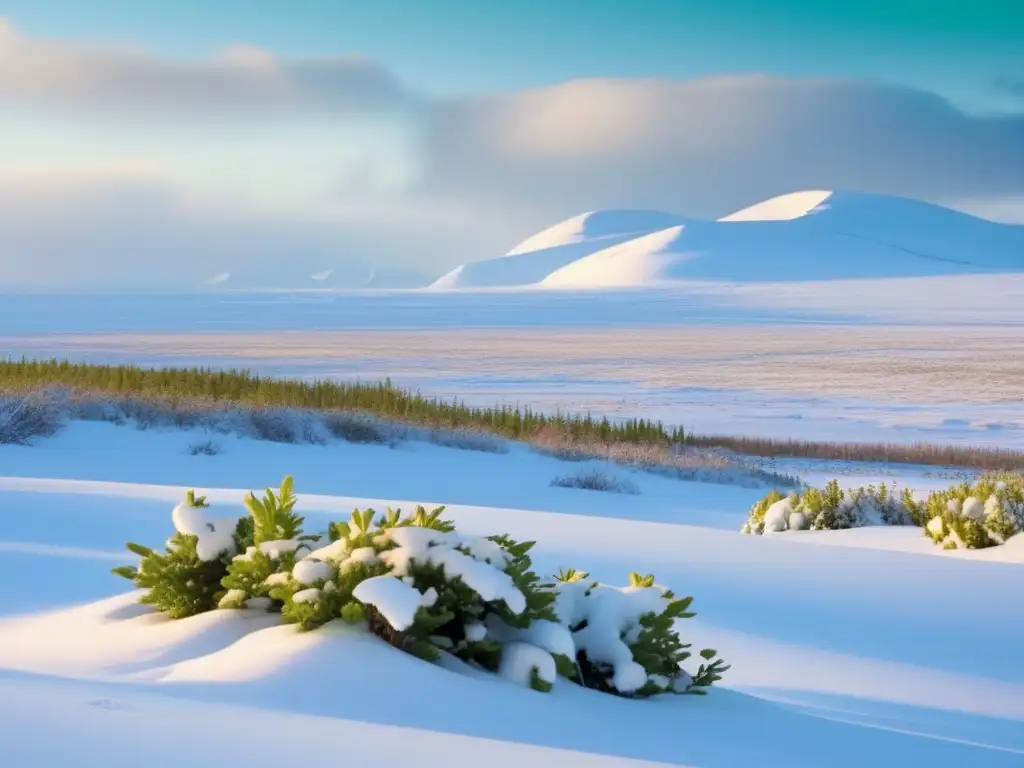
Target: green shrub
(424, 588)
(186, 578)
(967, 516)
(277, 540)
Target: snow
(439, 548)
(309, 571)
(306, 595)
(397, 602)
(784, 207)
(801, 236)
(611, 615)
(275, 549)
(520, 661)
(552, 636)
(216, 536)
(335, 551)
(596, 225)
(777, 516)
(973, 508)
(539, 255)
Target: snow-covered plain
(881, 650)
(845, 382)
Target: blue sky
(164, 140)
(961, 49)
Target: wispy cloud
(240, 79)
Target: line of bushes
(382, 399)
(976, 515)
(929, 454)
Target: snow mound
(594, 225)
(641, 261)
(538, 256)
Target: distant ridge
(806, 235)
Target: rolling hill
(811, 235)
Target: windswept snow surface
(547, 251)
(810, 235)
(596, 225)
(848, 648)
(784, 207)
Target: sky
(161, 143)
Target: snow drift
(809, 235)
(545, 252)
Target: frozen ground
(882, 650)
(842, 382)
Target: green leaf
(125, 571)
(138, 549)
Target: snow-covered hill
(809, 235)
(545, 252)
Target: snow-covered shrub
(964, 516)
(625, 637)
(277, 541)
(186, 578)
(421, 586)
(596, 480)
(829, 509)
(24, 418)
(977, 516)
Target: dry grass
(975, 457)
(675, 461)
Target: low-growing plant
(596, 480)
(626, 639)
(426, 589)
(355, 428)
(468, 440)
(26, 417)
(204, 448)
(964, 516)
(186, 578)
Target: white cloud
(247, 162)
(242, 79)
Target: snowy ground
(880, 650)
